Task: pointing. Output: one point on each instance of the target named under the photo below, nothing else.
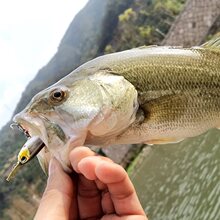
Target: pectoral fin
(163, 141)
(44, 158)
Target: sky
(30, 32)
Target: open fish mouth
(41, 132)
(33, 145)
(20, 128)
(31, 126)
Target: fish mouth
(35, 132)
(56, 133)
(34, 129)
(31, 126)
(52, 133)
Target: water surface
(181, 181)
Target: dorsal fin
(212, 44)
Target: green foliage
(144, 23)
(128, 15)
(130, 169)
(109, 49)
(171, 6)
(145, 32)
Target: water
(181, 181)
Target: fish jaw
(33, 125)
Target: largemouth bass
(151, 95)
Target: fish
(151, 95)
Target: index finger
(121, 189)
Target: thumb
(56, 201)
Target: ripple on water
(182, 181)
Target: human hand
(101, 190)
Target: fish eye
(57, 95)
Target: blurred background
(43, 41)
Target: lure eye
(24, 155)
(23, 159)
(57, 96)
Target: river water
(181, 181)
